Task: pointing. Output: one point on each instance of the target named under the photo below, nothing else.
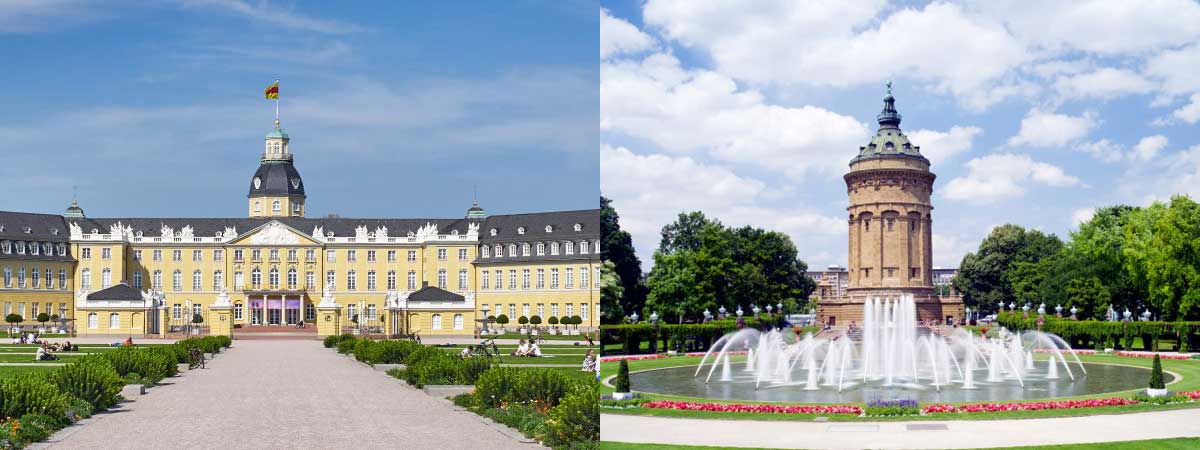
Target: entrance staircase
(309, 332)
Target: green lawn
(548, 337)
(8, 371)
(1188, 370)
(1157, 444)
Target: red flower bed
(743, 352)
(1194, 395)
(630, 358)
(1077, 352)
(736, 407)
(1132, 354)
(1031, 406)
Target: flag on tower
(272, 91)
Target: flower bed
(1194, 395)
(1031, 406)
(630, 357)
(737, 407)
(1143, 354)
(705, 353)
(1077, 352)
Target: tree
(611, 291)
(1156, 374)
(565, 320)
(502, 319)
(576, 320)
(522, 320)
(14, 319)
(535, 320)
(1163, 254)
(617, 247)
(43, 318)
(685, 232)
(984, 276)
(552, 320)
(1088, 295)
(621, 384)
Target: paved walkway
(892, 435)
(284, 394)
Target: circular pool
(679, 381)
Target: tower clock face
(295, 183)
(257, 182)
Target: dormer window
(20, 248)
(33, 248)
(328, 234)
(94, 231)
(549, 229)
(28, 230)
(138, 234)
(578, 227)
(486, 251)
(219, 233)
(54, 231)
(492, 232)
(62, 250)
(520, 230)
(6, 247)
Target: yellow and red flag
(272, 91)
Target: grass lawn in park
(10, 371)
(1187, 370)
(1157, 444)
(548, 337)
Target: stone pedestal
(222, 321)
(162, 322)
(843, 310)
(329, 320)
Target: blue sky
(395, 109)
(751, 111)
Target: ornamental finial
(889, 87)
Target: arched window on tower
(275, 206)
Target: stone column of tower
(890, 226)
(276, 189)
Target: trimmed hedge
(1107, 334)
(684, 337)
(91, 379)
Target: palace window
(485, 251)
(218, 255)
(569, 277)
(21, 278)
(36, 279)
(350, 310)
(583, 247)
(8, 277)
(256, 254)
(525, 249)
(583, 276)
(310, 313)
(441, 254)
(412, 280)
(554, 310)
(292, 279)
(351, 280)
(33, 248)
(570, 309)
(6, 247)
(485, 277)
(520, 230)
(239, 282)
(218, 280)
(106, 253)
(197, 255)
(49, 278)
(554, 278)
(237, 311)
(274, 254)
(156, 280)
(351, 255)
(578, 227)
(156, 255)
(541, 248)
(177, 280)
(569, 248)
(310, 280)
(177, 311)
(512, 249)
(525, 310)
(195, 310)
(257, 206)
(256, 278)
(541, 310)
(441, 278)
(310, 255)
(512, 279)
(583, 311)
(596, 279)
(890, 223)
(93, 320)
(541, 279)
(275, 206)
(499, 251)
(330, 256)
(499, 280)
(292, 255)
(176, 255)
(62, 250)
(371, 280)
(512, 310)
(85, 278)
(370, 255)
(412, 255)
(84, 253)
(458, 321)
(437, 321)
(391, 256)
(553, 248)
(197, 281)
(391, 280)
(462, 279)
(237, 255)
(462, 254)
(370, 313)
(296, 208)
(524, 278)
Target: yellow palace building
(276, 268)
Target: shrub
(576, 320)
(13, 318)
(552, 320)
(78, 410)
(196, 318)
(91, 379)
(443, 368)
(331, 340)
(622, 382)
(522, 320)
(151, 366)
(535, 320)
(1175, 398)
(526, 419)
(1156, 375)
(36, 427)
(31, 393)
(892, 408)
(43, 317)
(542, 388)
(576, 418)
(502, 319)
(346, 345)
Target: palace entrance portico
(275, 308)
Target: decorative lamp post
(1146, 315)
(1073, 311)
(654, 318)
(1058, 310)
(739, 311)
(968, 311)
(633, 317)
(779, 307)
(1128, 315)
(1041, 309)
(769, 308)
(1012, 306)
(1025, 311)
(707, 315)
(756, 310)
(999, 308)
(722, 311)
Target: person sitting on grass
(128, 342)
(522, 349)
(534, 350)
(43, 353)
(466, 352)
(589, 362)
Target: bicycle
(489, 349)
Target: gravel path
(284, 394)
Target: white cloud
(999, 176)
(1103, 84)
(940, 146)
(1176, 69)
(1190, 112)
(1048, 129)
(286, 18)
(1081, 215)
(689, 111)
(836, 43)
(1176, 173)
(651, 190)
(38, 16)
(618, 36)
(1098, 26)
(1147, 148)
(1103, 150)
(949, 249)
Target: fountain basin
(681, 381)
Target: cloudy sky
(394, 109)
(751, 111)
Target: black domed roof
(276, 178)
